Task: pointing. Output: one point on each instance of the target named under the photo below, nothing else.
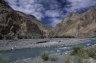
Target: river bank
(59, 58)
(31, 43)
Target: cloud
(55, 21)
(50, 12)
(78, 4)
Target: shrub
(83, 53)
(92, 52)
(22, 62)
(53, 58)
(3, 59)
(45, 56)
(72, 59)
(67, 61)
(75, 59)
(79, 51)
(75, 50)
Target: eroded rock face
(78, 25)
(15, 24)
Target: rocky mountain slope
(14, 24)
(78, 25)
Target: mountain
(78, 25)
(15, 24)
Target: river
(14, 55)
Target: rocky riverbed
(34, 47)
(31, 43)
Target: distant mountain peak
(78, 25)
(15, 24)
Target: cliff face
(15, 24)
(78, 25)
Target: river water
(33, 52)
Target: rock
(77, 25)
(17, 24)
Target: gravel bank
(30, 43)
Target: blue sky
(51, 12)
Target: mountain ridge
(15, 24)
(78, 25)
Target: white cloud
(77, 4)
(52, 13)
(55, 21)
(49, 8)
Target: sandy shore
(30, 43)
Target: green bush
(75, 50)
(22, 62)
(67, 61)
(3, 59)
(72, 59)
(79, 51)
(53, 58)
(92, 52)
(75, 59)
(83, 53)
(44, 56)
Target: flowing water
(33, 52)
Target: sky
(51, 12)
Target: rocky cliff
(78, 25)
(14, 24)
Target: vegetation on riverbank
(77, 55)
(44, 56)
(47, 57)
(3, 59)
(64, 36)
(84, 53)
(81, 55)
